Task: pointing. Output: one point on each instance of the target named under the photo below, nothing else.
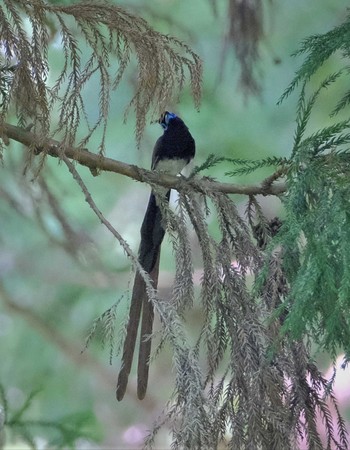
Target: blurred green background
(61, 291)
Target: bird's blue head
(165, 118)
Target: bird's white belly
(170, 166)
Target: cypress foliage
(269, 288)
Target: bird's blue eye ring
(165, 119)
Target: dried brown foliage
(244, 35)
(115, 40)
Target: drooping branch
(96, 163)
(150, 289)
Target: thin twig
(88, 198)
(275, 176)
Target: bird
(172, 152)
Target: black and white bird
(172, 152)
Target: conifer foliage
(111, 35)
(269, 288)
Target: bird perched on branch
(172, 152)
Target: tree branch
(101, 163)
